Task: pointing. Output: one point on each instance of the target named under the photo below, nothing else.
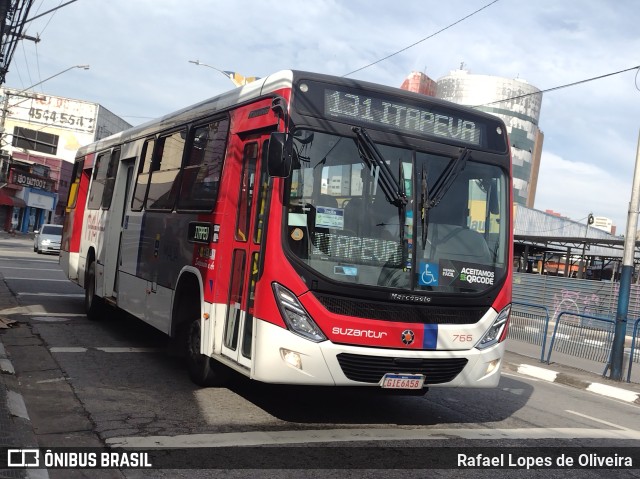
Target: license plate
(402, 381)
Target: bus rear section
(74, 216)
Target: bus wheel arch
(186, 329)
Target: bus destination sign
(200, 232)
(356, 106)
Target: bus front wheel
(203, 370)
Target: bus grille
(370, 369)
(406, 313)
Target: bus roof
(256, 89)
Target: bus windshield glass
(407, 219)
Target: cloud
(575, 189)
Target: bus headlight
(297, 319)
(498, 330)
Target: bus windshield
(407, 219)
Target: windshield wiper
(424, 209)
(440, 188)
(448, 176)
(374, 160)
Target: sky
(139, 53)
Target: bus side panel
(132, 296)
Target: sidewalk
(524, 358)
(16, 429)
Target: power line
(562, 86)
(420, 41)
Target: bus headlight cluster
(498, 330)
(295, 316)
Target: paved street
(75, 383)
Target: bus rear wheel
(93, 306)
(203, 370)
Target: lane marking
(13, 260)
(129, 350)
(257, 438)
(31, 269)
(15, 278)
(46, 319)
(57, 295)
(55, 380)
(105, 349)
(601, 421)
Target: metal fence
(530, 323)
(581, 312)
(580, 296)
(582, 336)
(634, 352)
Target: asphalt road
(119, 383)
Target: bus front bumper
(285, 358)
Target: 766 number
(463, 338)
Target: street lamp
(227, 75)
(84, 67)
(236, 78)
(5, 107)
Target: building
(518, 104)
(418, 82)
(603, 223)
(40, 137)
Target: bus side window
(203, 166)
(97, 185)
(140, 190)
(110, 179)
(164, 180)
(247, 183)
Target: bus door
(249, 229)
(116, 225)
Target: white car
(47, 239)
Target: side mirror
(279, 156)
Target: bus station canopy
(544, 232)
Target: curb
(14, 401)
(575, 382)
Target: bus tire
(93, 306)
(203, 370)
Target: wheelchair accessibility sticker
(428, 274)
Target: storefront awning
(6, 199)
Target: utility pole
(617, 349)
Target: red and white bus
(305, 229)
